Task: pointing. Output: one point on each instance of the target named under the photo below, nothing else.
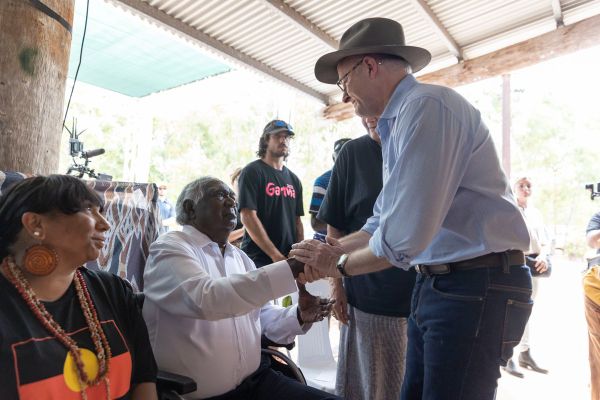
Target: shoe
(526, 361)
(512, 369)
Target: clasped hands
(319, 259)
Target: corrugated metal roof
(280, 34)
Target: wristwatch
(341, 265)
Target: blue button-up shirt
(445, 197)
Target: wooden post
(35, 42)
(506, 124)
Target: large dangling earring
(40, 260)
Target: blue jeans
(462, 327)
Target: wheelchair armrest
(282, 363)
(180, 384)
(266, 342)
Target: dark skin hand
(312, 308)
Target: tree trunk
(34, 61)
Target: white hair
(193, 191)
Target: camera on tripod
(594, 193)
(81, 168)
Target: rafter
(558, 14)
(303, 22)
(562, 41)
(440, 29)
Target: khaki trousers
(592, 315)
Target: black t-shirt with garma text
(356, 181)
(35, 365)
(277, 198)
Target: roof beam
(439, 28)
(563, 40)
(228, 52)
(558, 14)
(303, 22)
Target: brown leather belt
(507, 258)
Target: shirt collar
(402, 89)
(199, 238)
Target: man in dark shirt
(319, 190)
(373, 308)
(270, 199)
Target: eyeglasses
(341, 83)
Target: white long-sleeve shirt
(206, 311)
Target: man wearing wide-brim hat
(446, 209)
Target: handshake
(311, 259)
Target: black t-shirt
(353, 189)
(32, 361)
(593, 225)
(277, 198)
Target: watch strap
(341, 265)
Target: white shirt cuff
(281, 278)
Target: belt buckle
(422, 269)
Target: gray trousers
(372, 357)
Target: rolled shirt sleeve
(445, 196)
(424, 173)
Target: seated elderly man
(207, 305)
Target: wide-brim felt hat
(371, 36)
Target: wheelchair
(172, 386)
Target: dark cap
(337, 146)
(277, 126)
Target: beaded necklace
(15, 276)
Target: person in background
(270, 198)
(538, 253)
(591, 288)
(372, 308)
(319, 190)
(207, 305)
(65, 331)
(235, 237)
(167, 211)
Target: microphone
(92, 153)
